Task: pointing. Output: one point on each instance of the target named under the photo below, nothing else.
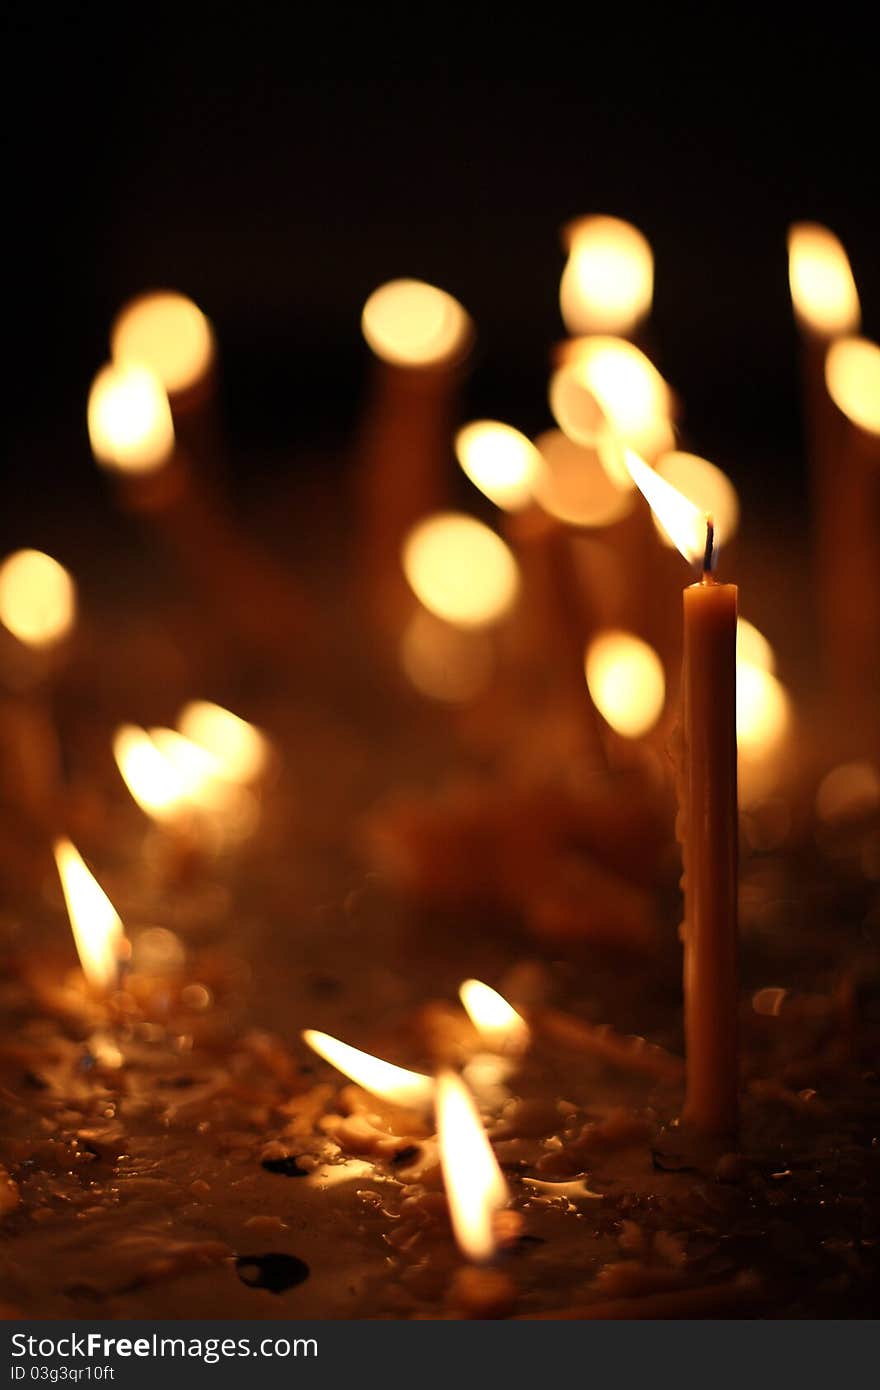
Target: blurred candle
(420, 338)
(460, 570)
(608, 282)
(826, 306)
(708, 821)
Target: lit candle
(96, 925)
(708, 823)
(420, 338)
(608, 282)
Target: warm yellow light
(852, 375)
(763, 710)
(130, 426)
(704, 484)
(823, 290)
(631, 393)
(608, 281)
(199, 773)
(475, 1186)
(167, 333)
(500, 461)
(575, 486)
(412, 324)
(497, 1022)
(444, 662)
(752, 646)
(408, 1088)
(626, 682)
(460, 570)
(241, 752)
(97, 928)
(156, 785)
(37, 598)
(683, 523)
(848, 792)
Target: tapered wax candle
(708, 823)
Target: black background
(278, 170)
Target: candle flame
(497, 1022)
(683, 523)
(763, 710)
(411, 324)
(37, 598)
(752, 646)
(823, 291)
(200, 774)
(707, 486)
(240, 750)
(626, 386)
(411, 1089)
(608, 282)
(460, 570)
(852, 375)
(475, 1186)
(444, 662)
(575, 485)
(626, 682)
(97, 927)
(129, 418)
(167, 333)
(156, 785)
(500, 461)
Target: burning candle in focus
(96, 925)
(420, 337)
(475, 1186)
(708, 814)
(129, 419)
(499, 1025)
(460, 570)
(608, 282)
(410, 1089)
(626, 386)
(626, 682)
(499, 461)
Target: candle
(708, 816)
(96, 925)
(608, 282)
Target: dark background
(278, 173)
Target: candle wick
(709, 552)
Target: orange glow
(500, 461)
(575, 486)
(475, 1186)
(683, 523)
(167, 333)
(629, 390)
(156, 785)
(130, 426)
(443, 662)
(241, 752)
(704, 484)
(37, 598)
(608, 282)
(823, 290)
(626, 682)
(497, 1022)
(848, 792)
(763, 710)
(408, 1088)
(199, 773)
(460, 570)
(97, 928)
(411, 324)
(852, 375)
(752, 646)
